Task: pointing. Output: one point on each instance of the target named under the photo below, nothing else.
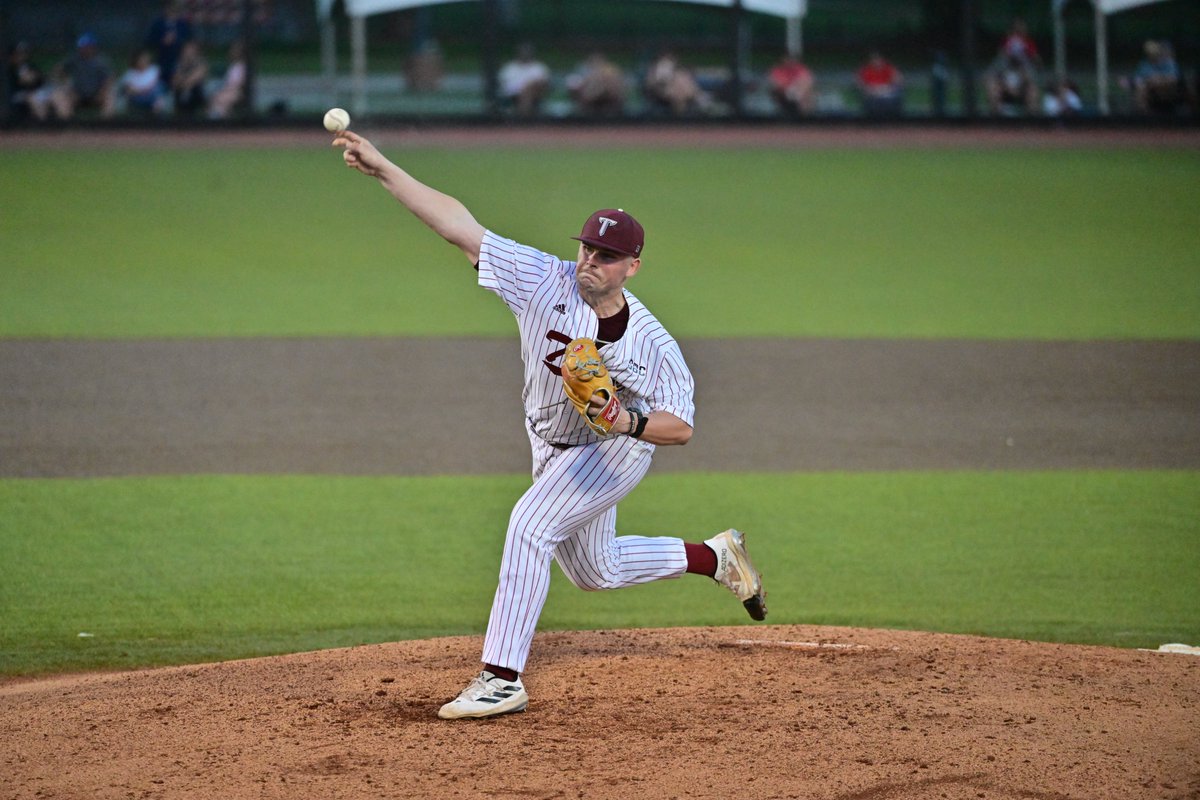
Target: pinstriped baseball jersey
(540, 289)
(569, 514)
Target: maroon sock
(701, 559)
(501, 672)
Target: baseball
(336, 120)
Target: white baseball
(336, 120)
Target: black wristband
(639, 426)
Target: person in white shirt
(524, 82)
(232, 87)
(140, 85)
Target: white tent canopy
(1102, 8)
(365, 8)
(1112, 6)
(358, 10)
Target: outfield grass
(185, 569)
(926, 243)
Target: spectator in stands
(25, 81)
(524, 82)
(597, 87)
(939, 81)
(1157, 83)
(140, 85)
(233, 86)
(169, 33)
(85, 79)
(1011, 81)
(670, 86)
(792, 86)
(1012, 86)
(1061, 99)
(881, 87)
(187, 86)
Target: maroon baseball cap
(613, 229)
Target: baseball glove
(585, 375)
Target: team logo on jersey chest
(551, 360)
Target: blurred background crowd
(277, 59)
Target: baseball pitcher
(604, 385)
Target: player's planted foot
(736, 572)
(486, 696)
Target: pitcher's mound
(745, 712)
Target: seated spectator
(1012, 86)
(83, 80)
(524, 82)
(792, 86)
(670, 86)
(140, 85)
(881, 87)
(187, 86)
(25, 81)
(1157, 84)
(597, 87)
(233, 85)
(1061, 99)
(1011, 81)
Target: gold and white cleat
(736, 572)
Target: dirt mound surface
(747, 712)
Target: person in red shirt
(881, 87)
(1018, 44)
(793, 86)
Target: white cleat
(736, 572)
(486, 696)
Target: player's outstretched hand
(360, 153)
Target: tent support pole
(358, 46)
(1102, 60)
(329, 57)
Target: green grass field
(178, 570)
(938, 243)
(972, 244)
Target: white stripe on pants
(570, 514)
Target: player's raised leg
(595, 558)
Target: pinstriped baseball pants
(570, 515)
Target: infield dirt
(347, 406)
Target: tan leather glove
(585, 375)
